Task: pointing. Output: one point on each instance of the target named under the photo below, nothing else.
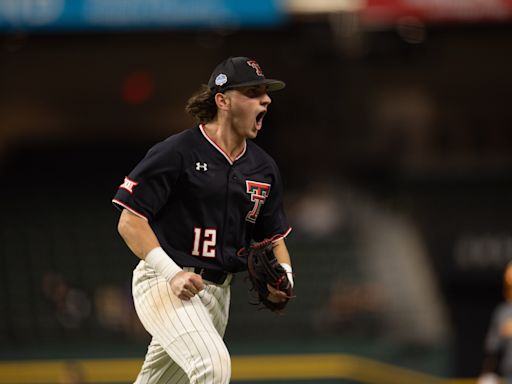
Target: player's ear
(222, 101)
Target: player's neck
(231, 143)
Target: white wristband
(162, 263)
(289, 273)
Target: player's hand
(186, 285)
(275, 295)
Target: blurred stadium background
(394, 137)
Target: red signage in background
(382, 12)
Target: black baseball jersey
(202, 206)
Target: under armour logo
(201, 167)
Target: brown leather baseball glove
(263, 269)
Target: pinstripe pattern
(187, 345)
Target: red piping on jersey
(224, 153)
(279, 237)
(115, 201)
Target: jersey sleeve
(272, 221)
(147, 187)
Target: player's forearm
(137, 234)
(142, 241)
(281, 252)
(283, 257)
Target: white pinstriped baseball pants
(187, 345)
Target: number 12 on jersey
(204, 242)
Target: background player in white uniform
(187, 208)
(498, 342)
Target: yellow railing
(245, 368)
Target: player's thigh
(164, 315)
(216, 301)
(185, 329)
(203, 356)
(158, 367)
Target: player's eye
(254, 92)
(250, 92)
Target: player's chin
(257, 128)
(252, 133)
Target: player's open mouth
(259, 119)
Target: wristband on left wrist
(289, 273)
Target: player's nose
(265, 99)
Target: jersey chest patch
(259, 193)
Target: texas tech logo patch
(259, 193)
(129, 185)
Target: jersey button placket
(233, 179)
(226, 212)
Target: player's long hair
(201, 105)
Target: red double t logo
(259, 193)
(256, 67)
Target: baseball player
(498, 342)
(187, 208)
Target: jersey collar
(218, 148)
